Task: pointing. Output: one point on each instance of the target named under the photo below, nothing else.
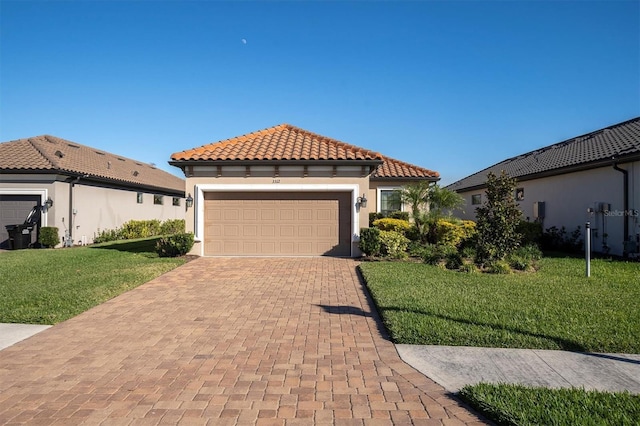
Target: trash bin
(19, 236)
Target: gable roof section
(284, 143)
(51, 154)
(596, 149)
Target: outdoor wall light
(363, 201)
(47, 204)
(189, 201)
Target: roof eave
(410, 178)
(98, 179)
(351, 162)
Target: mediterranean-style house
(591, 178)
(80, 190)
(285, 191)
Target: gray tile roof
(620, 141)
(51, 154)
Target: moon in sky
(244, 41)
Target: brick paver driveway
(224, 341)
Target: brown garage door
(14, 209)
(277, 224)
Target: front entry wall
(277, 224)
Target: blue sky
(453, 86)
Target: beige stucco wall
(208, 181)
(567, 198)
(97, 207)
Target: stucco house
(593, 177)
(81, 190)
(287, 191)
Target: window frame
(140, 198)
(380, 190)
(476, 199)
(175, 201)
(158, 200)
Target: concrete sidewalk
(453, 367)
(10, 334)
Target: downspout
(626, 207)
(71, 215)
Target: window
(176, 201)
(389, 201)
(476, 199)
(158, 199)
(520, 194)
(139, 197)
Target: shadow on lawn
(564, 344)
(136, 246)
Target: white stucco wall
(567, 198)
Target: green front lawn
(525, 406)
(51, 285)
(554, 308)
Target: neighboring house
(88, 189)
(287, 191)
(593, 177)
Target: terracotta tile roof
(289, 143)
(620, 140)
(280, 143)
(49, 153)
(395, 169)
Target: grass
(520, 405)
(555, 308)
(51, 285)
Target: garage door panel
(268, 213)
(14, 209)
(278, 224)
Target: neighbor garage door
(14, 209)
(277, 224)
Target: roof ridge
(39, 150)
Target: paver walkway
(225, 341)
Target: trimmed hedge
(174, 245)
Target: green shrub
(174, 245)
(399, 215)
(531, 232)
(140, 229)
(468, 252)
(435, 254)
(469, 268)
(394, 244)
(498, 219)
(172, 226)
(388, 224)
(525, 258)
(49, 236)
(558, 239)
(499, 267)
(370, 243)
(454, 232)
(373, 216)
(414, 234)
(108, 235)
(453, 261)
